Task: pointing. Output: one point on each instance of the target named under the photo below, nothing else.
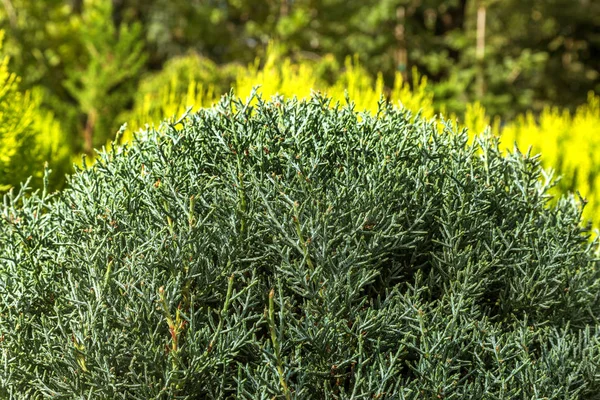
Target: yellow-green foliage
(567, 142)
(185, 81)
(477, 121)
(180, 88)
(28, 135)
(298, 80)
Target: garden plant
(297, 249)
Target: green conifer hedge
(296, 250)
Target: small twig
(222, 315)
(276, 346)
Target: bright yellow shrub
(185, 81)
(29, 136)
(277, 76)
(419, 98)
(569, 144)
(298, 79)
(477, 121)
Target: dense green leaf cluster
(299, 250)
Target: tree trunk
(480, 50)
(400, 54)
(88, 132)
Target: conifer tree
(104, 82)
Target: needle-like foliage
(296, 250)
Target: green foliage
(296, 249)
(29, 136)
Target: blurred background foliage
(29, 134)
(74, 71)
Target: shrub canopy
(298, 249)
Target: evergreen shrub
(299, 249)
(567, 141)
